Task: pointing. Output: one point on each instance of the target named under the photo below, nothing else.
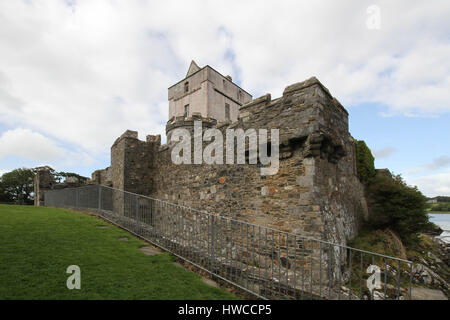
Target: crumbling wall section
(102, 177)
(43, 181)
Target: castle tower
(208, 93)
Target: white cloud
(28, 144)
(40, 150)
(383, 152)
(436, 164)
(83, 77)
(85, 73)
(432, 185)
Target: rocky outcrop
(433, 270)
(427, 294)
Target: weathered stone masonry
(44, 180)
(315, 193)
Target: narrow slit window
(186, 86)
(227, 111)
(186, 111)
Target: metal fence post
(137, 214)
(212, 243)
(99, 199)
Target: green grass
(37, 244)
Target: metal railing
(269, 263)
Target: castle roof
(193, 68)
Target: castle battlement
(314, 193)
(188, 122)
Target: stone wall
(315, 192)
(102, 177)
(132, 164)
(315, 189)
(43, 181)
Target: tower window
(186, 111)
(186, 86)
(239, 95)
(224, 84)
(227, 111)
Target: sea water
(443, 221)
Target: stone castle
(316, 191)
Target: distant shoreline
(439, 212)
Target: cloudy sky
(75, 74)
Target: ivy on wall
(364, 162)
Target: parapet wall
(315, 192)
(188, 123)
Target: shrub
(395, 205)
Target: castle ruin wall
(315, 193)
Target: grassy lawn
(37, 244)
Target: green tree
(441, 206)
(395, 205)
(60, 176)
(17, 185)
(443, 199)
(4, 196)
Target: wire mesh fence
(269, 263)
